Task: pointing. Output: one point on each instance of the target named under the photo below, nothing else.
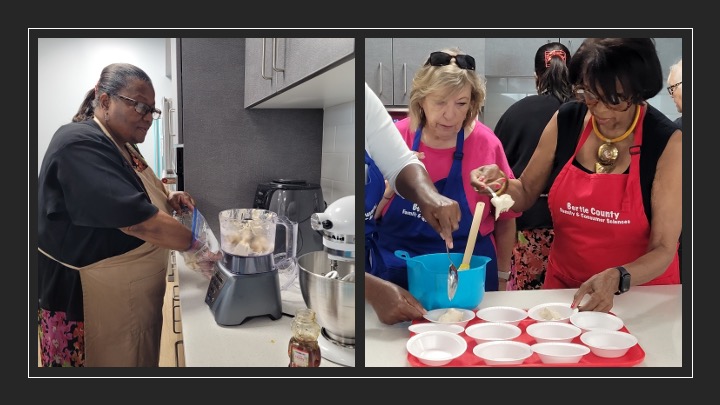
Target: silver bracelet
(504, 275)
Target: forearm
(524, 198)
(650, 265)
(505, 233)
(373, 285)
(414, 184)
(162, 230)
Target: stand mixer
(246, 281)
(327, 280)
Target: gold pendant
(601, 168)
(607, 154)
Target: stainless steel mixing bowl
(332, 299)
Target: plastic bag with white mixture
(205, 249)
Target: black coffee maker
(297, 200)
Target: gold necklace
(607, 152)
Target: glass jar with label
(303, 349)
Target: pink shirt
(481, 147)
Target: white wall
(337, 173)
(69, 67)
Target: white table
(653, 314)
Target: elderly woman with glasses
(616, 197)
(105, 229)
(443, 128)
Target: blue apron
(374, 190)
(402, 227)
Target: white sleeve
(383, 141)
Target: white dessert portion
(549, 314)
(501, 203)
(450, 316)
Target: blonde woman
(443, 127)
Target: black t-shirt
(86, 191)
(519, 130)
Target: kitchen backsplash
(337, 173)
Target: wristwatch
(624, 284)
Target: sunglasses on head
(442, 59)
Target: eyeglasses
(671, 89)
(584, 96)
(142, 108)
(443, 59)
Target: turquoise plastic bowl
(428, 274)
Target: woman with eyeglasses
(445, 100)
(616, 198)
(105, 228)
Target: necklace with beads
(607, 152)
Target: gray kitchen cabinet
(572, 43)
(391, 63)
(379, 67)
(260, 79)
(509, 57)
(276, 64)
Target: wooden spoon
(472, 237)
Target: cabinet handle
(381, 79)
(171, 268)
(170, 122)
(262, 63)
(175, 320)
(177, 352)
(404, 79)
(274, 57)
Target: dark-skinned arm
(162, 230)
(442, 213)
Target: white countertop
(653, 314)
(258, 342)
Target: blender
(246, 280)
(327, 281)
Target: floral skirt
(62, 342)
(529, 259)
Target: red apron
(599, 222)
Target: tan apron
(123, 296)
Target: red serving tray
(468, 359)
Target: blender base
(233, 298)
